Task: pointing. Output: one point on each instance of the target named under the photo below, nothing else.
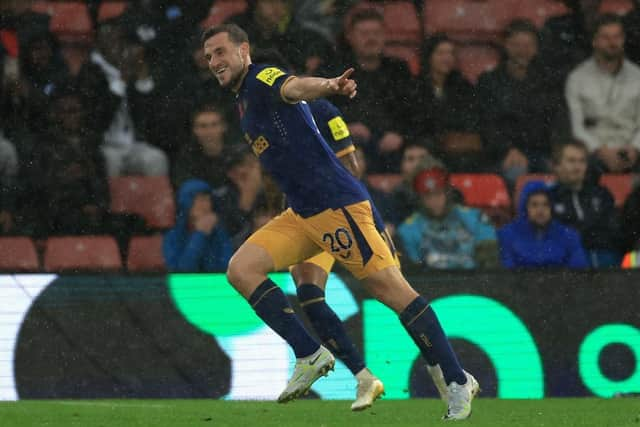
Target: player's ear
(244, 49)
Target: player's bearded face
(226, 60)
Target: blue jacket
(524, 245)
(188, 250)
(446, 243)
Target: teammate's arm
(297, 89)
(350, 161)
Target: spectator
(239, 198)
(535, 239)
(202, 156)
(443, 234)
(566, 40)
(132, 95)
(41, 66)
(8, 189)
(446, 107)
(324, 17)
(261, 215)
(517, 106)
(185, 92)
(381, 200)
(269, 24)
(404, 199)
(67, 182)
(198, 242)
(630, 222)
(631, 23)
(378, 115)
(603, 95)
(587, 207)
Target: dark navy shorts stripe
(363, 245)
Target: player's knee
(234, 272)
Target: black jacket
(591, 211)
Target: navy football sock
(423, 326)
(329, 327)
(270, 303)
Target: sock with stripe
(329, 327)
(419, 319)
(271, 304)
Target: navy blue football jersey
(332, 126)
(291, 149)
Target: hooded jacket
(185, 249)
(522, 244)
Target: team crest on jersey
(269, 75)
(259, 145)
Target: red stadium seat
(538, 11)
(145, 254)
(111, 9)
(619, 7)
(386, 182)
(409, 54)
(70, 21)
(522, 181)
(223, 10)
(469, 19)
(482, 190)
(474, 60)
(401, 22)
(84, 253)
(148, 196)
(620, 185)
(18, 254)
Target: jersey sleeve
(332, 127)
(268, 82)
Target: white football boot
(459, 398)
(370, 388)
(308, 370)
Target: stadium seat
(619, 7)
(473, 60)
(145, 254)
(223, 10)
(522, 181)
(409, 54)
(482, 190)
(111, 9)
(151, 197)
(620, 185)
(538, 11)
(469, 19)
(385, 182)
(401, 22)
(82, 253)
(18, 254)
(69, 20)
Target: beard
(612, 55)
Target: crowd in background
(564, 100)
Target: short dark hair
(208, 108)
(236, 34)
(607, 19)
(520, 25)
(368, 14)
(558, 150)
(236, 154)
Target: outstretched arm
(309, 88)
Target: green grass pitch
(416, 412)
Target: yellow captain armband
(269, 75)
(339, 129)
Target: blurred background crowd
(489, 132)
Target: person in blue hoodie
(535, 239)
(198, 242)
